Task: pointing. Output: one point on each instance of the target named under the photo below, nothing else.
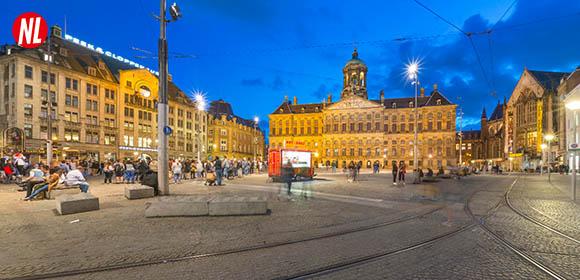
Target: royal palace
(356, 128)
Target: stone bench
(234, 205)
(178, 206)
(54, 193)
(137, 192)
(76, 203)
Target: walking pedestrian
(218, 170)
(176, 169)
(108, 170)
(402, 171)
(395, 172)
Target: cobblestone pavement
(36, 240)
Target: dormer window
(316, 109)
(92, 71)
(302, 110)
(101, 65)
(394, 105)
(281, 110)
(63, 52)
(410, 104)
(438, 101)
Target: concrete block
(76, 203)
(54, 193)
(226, 206)
(177, 206)
(136, 192)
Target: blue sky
(252, 53)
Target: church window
(362, 78)
(438, 101)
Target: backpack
(118, 168)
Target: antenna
(65, 24)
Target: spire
(354, 53)
(484, 114)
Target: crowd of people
(37, 179)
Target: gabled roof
(220, 108)
(297, 108)
(497, 113)
(549, 80)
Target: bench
(235, 205)
(137, 192)
(178, 206)
(56, 192)
(76, 203)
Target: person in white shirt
(176, 169)
(75, 178)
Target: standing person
(108, 170)
(142, 168)
(186, 169)
(227, 166)
(357, 173)
(199, 167)
(75, 178)
(395, 172)
(402, 171)
(119, 171)
(64, 167)
(333, 166)
(192, 169)
(351, 171)
(288, 176)
(20, 165)
(176, 169)
(218, 170)
(129, 172)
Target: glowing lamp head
(543, 146)
(256, 119)
(573, 105)
(549, 137)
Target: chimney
(422, 92)
(56, 31)
(323, 103)
(285, 98)
(330, 98)
(382, 97)
(295, 100)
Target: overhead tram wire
(466, 34)
(490, 48)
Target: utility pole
(162, 108)
(415, 162)
(460, 137)
(49, 116)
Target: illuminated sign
(299, 159)
(107, 53)
(137, 149)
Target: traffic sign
(167, 130)
(574, 147)
(29, 30)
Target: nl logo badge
(29, 30)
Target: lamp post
(543, 147)
(200, 108)
(256, 120)
(413, 74)
(163, 106)
(460, 137)
(574, 106)
(511, 164)
(549, 137)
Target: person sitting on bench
(75, 178)
(48, 185)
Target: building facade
(534, 110)
(355, 128)
(232, 136)
(102, 108)
(570, 90)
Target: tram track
(219, 253)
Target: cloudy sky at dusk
(252, 53)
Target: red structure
(301, 161)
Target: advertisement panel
(539, 125)
(299, 159)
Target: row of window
(378, 152)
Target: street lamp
(200, 108)
(256, 120)
(543, 147)
(549, 137)
(413, 68)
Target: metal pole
(49, 117)
(549, 160)
(574, 165)
(198, 135)
(162, 108)
(461, 138)
(415, 163)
